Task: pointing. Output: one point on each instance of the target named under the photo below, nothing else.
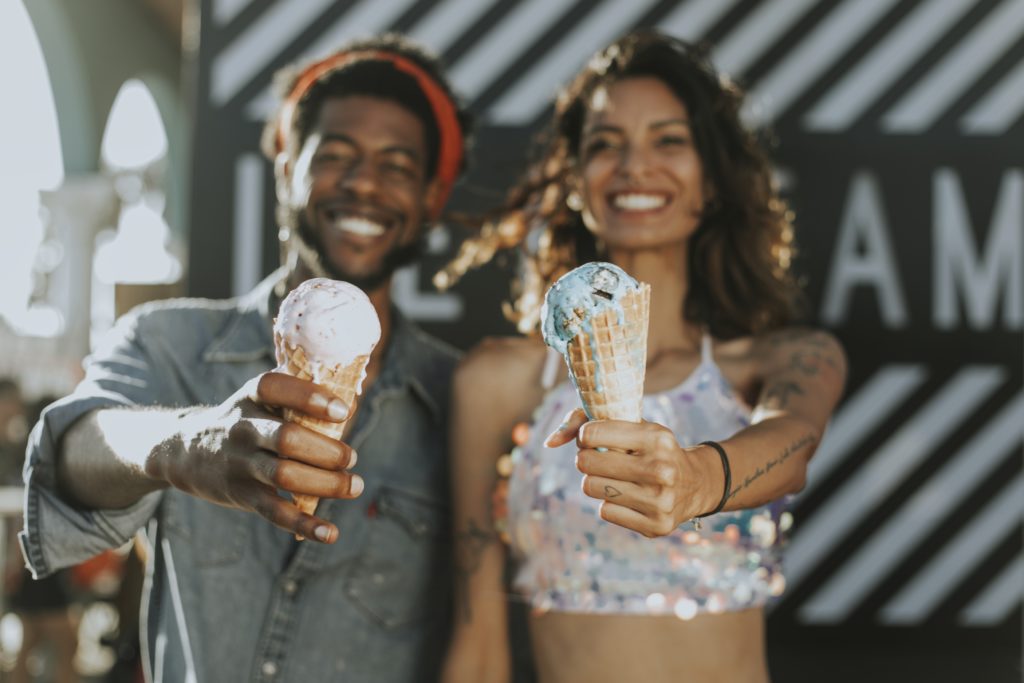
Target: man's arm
(236, 454)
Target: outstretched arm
(235, 454)
(650, 484)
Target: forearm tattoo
(791, 449)
(469, 549)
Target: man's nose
(360, 177)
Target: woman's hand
(239, 453)
(645, 480)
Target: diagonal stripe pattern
(999, 598)
(917, 517)
(930, 98)
(860, 415)
(888, 466)
(864, 84)
(958, 557)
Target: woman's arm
(650, 484)
(491, 393)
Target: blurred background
(129, 133)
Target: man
(366, 146)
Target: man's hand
(240, 453)
(645, 480)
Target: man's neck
(380, 298)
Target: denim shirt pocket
(393, 581)
(215, 535)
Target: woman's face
(640, 177)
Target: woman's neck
(665, 270)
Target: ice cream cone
(343, 381)
(608, 363)
(324, 332)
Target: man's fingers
(296, 477)
(284, 514)
(566, 431)
(615, 491)
(285, 391)
(300, 443)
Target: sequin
(575, 561)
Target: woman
(648, 167)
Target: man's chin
(368, 279)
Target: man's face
(358, 189)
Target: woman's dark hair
(740, 254)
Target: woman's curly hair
(740, 254)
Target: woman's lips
(638, 201)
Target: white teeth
(638, 202)
(359, 226)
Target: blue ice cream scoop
(579, 296)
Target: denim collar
(248, 336)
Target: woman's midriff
(586, 647)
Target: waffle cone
(343, 381)
(608, 367)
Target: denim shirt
(230, 597)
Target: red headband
(449, 157)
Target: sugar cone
(608, 368)
(343, 381)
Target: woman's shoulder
(796, 346)
(510, 359)
(500, 379)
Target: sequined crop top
(570, 560)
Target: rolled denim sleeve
(58, 534)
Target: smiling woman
(649, 168)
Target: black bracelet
(728, 476)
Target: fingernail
(561, 428)
(337, 410)
(322, 533)
(353, 459)
(357, 485)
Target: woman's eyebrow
(680, 121)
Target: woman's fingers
(566, 431)
(626, 436)
(639, 468)
(652, 503)
(284, 391)
(631, 519)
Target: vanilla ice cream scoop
(332, 321)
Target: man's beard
(303, 242)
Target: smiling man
(177, 425)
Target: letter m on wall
(981, 281)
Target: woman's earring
(574, 201)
